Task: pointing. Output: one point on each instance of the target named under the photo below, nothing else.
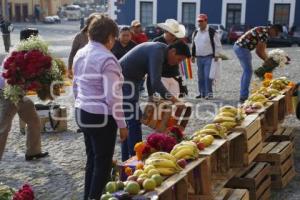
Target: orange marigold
(292, 84)
(140, 165)
(268, 76)
(128, 171)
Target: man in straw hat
(170, 75)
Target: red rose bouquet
(161, 142)
(30, 68)
(25, 193)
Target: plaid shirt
(251, 38)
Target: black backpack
(211, 33)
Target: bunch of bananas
(279, 84)
(256, 101)
(210, 129)
(185, 150)
(229, 117)
(207, 140)
(268, 92)
(164, 163)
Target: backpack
(211, 33)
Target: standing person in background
(97, 88)
(82, 22)
(206, 46)
(170, 75)
(80, 40)
(5, 29)
(138, 36)
(123, 44)
(255, 38)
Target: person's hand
(123, 134)
(70, 73)
(193, 59)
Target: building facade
(23, 10)
(225, 12)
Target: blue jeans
(204, 82)
(100, 144)
(133, 115)
(245, 58)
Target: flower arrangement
(31, 68)
(161, 142)
(25, 193)
(276, 57)
(176, 132)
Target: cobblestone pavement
(61, 176)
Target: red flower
(25, 193)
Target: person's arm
(194, 46)
(261, 50)
(74, 49)
(113, 91)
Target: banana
(179, 148)
(229, 125)
(228, 108)
(257, 105)
(220, 119)
(163, 155)
(180, 154)
(166, 171)
(157, 162)
(207, 140)
(226, 114)
(208, 132)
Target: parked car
(282, 42)
(222, 32)
(56, 19)
(49, 20)
(152, 31)
(189, 28)
(236, 31)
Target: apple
(182, 163)
(201, 145)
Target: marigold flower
(268, 76)
(128, 171)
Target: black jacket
(5, 27)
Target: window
(188, 13)
(233, 14)
(282, 14)
(146, 13)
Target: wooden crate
(218, 156)
(54, 122)
(193, 182)
(280, 107)
(233, 194)
(256, 179)
(269, 119)
(283, 134)
(288, 93)
(160, 115)
(280, 156)
(250, 143)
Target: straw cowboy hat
(173, 27)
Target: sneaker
(243, 99)
(199, 96)
(36, 157)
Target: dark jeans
(6, 41)
(100, 143)
(133, 115)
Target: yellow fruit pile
(279, 83)
(268, 92)
(229, 117)
(164, 163)
(256, 101)
(185, 150)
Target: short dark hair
(277, 27)
(101, 28)
(125, 28)
(181, 48)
